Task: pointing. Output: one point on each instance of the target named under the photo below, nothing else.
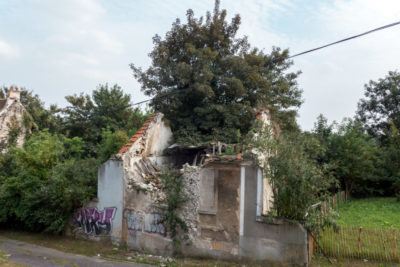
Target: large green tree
(379, 112)
(208, 82)
(107, 108)
(353, 153)
(388, 163)
(381, 105)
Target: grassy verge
(370, 213)
(107, 250)
(89, 248)
(5, 262)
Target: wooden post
(310, 248)
(394, 244)
(124, 229)
(384, 245)
(359, 240)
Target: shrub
(297, 180)
(45, 183)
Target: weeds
(173, 186)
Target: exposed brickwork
(138, 134)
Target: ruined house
(12, 114)
(227, 200)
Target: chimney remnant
(14, 93)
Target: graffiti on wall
(151, 223)
(134, 220)
(94, 222)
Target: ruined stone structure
(12, 114)
(227, 197)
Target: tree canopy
(208, 82)
(381, 105)
(353, 153)
(108, 108)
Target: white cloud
(106, 42)
(72, 59)
(8, 51)
(76, 11)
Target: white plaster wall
(159, 136)
(110, 193)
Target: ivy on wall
(175, 198)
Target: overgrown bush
(297, 180)
(110, 143)
(42, 183)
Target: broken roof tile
(138, 134)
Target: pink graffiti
(95, 222)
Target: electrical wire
(347, 39)
(299, 54)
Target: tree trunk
(347, 190)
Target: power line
(299, 54)
(347, 39)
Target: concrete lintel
(259, 192)
(242, 187)
(247, 163)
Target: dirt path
(32, 255)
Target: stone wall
(142, 222)
(12, 114)
(144, 213)
(191, 176)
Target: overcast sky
(58, 48)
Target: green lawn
(379, 239)
(379, 213)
